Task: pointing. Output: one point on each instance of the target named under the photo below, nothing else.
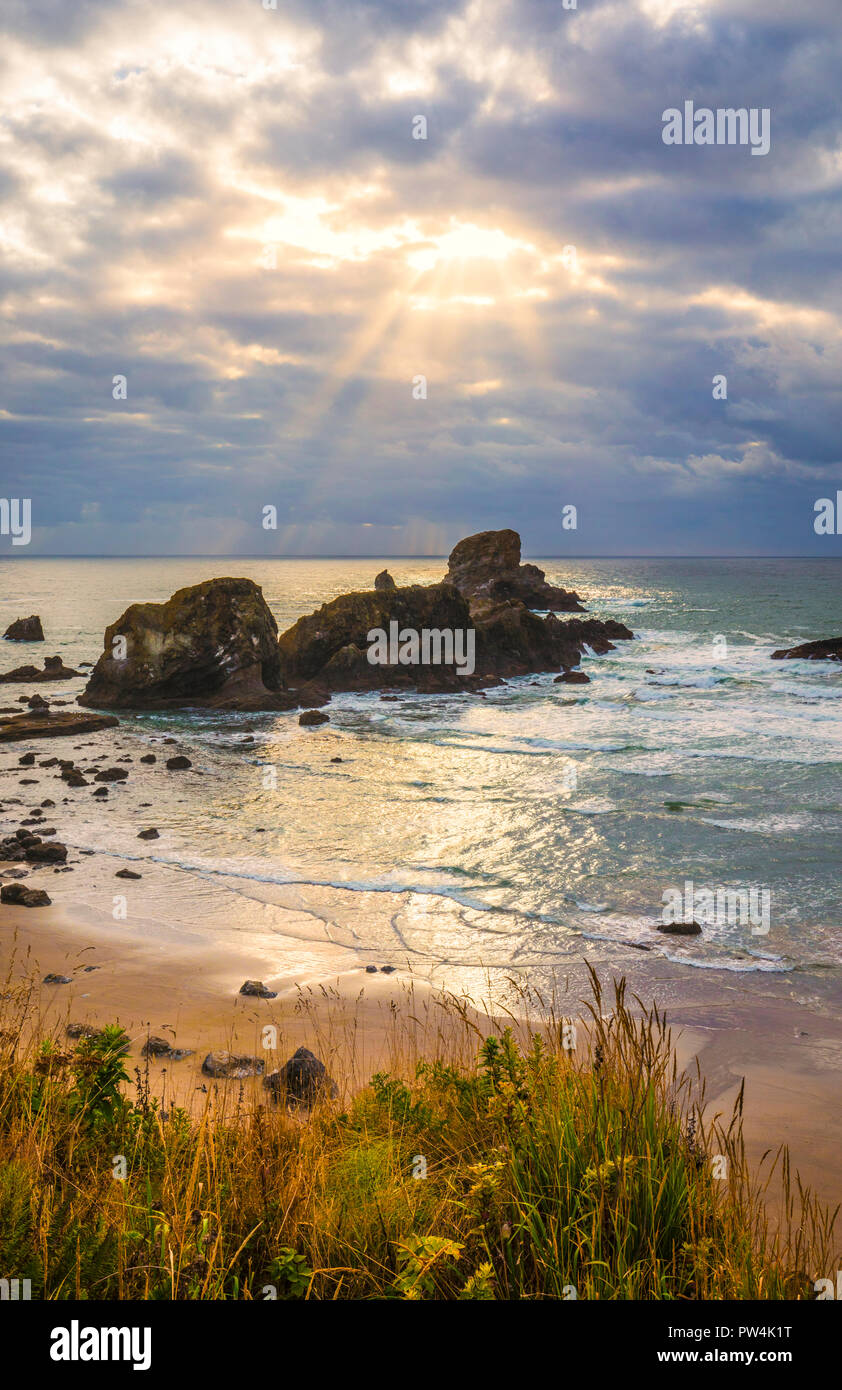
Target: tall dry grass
(486, 1162)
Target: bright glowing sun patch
(466, 242)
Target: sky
(395, 341)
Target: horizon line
(595, 555)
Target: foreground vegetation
(529, 1172)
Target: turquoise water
(504, 831)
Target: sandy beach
(358, 1023)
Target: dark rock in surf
(827, 649)
(384, 582)
(26, 726)
(312, 717)
(25, 630)
(54, 670)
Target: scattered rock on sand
(258, 989)
(150, 834)
(82, 1030)
(27, 760)
(302, 1080)
(127, 873)
(232, 1067)
(57, 980)
(25, 630)
(176, 764)
(53, 853)
(18, 893)
(149, 758)
(111, 774)
(161, 1048)
(680, 928)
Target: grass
(506, 1167)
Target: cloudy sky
(225, 204)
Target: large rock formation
(25, 630)
(328, 651)
(330, 647)
(487, 566)
(827, 649)
(214, 644)
(54, 670)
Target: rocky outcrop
(214, 645)
(827, 649)
(54, 670)
(328, 651)
(25, 630)
(45, 725)
(384, 582)
(487, 566)
(329, 648)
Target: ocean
(467, 837)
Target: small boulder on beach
(178, 763)
(680, 928)
(231, 1067)
(161, 1049)
(257, 989)
(111, 774)
(150, 834)
(17, 894)
(127, 873)
(302, 1080)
